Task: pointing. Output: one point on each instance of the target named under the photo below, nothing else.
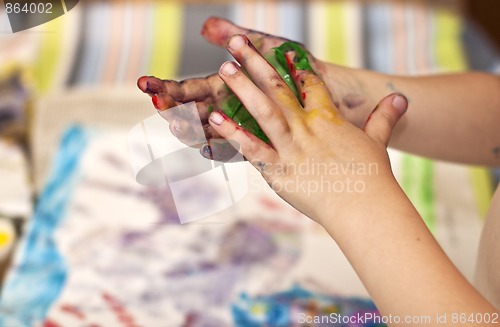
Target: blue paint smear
(39, 273)
(283, 309)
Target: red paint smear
(269, 204)
(369, 117)
(246, 38)
(118, 308)
(156, 102)
(126, 319)
(291, 64)
(120, 311)
(244, 131)
(71, 309)
(107, 297)
(237, 127)
(224, 115)
(190, 320)
(50, 323)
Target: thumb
(384, 117)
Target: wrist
(364, 195)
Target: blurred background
(83, 244)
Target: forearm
(396, 257)
(450, 117)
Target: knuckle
(283, 128)
(242, 78)
(310, 80)
(276, 82)
(387, 117)
(231, 132)
(251, 147)
(238, 79)
(267, 113)
(244, 54)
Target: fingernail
(216, 118)
(228, 68)
(236, 42)
(140, 81)
(400, 103)
(175, 127)
(206, 152)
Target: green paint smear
(233, 107)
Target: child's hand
(317, 160)
(209, 92)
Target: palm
(208, 92)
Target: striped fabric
(56, 48)
(335, 31)
(103, 43)
(122, 40)
(37, 52)
(283, 18)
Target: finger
(265, 112)
(189, 126)
(191, 136)
(381, 122)
(262, 73)
(162, 102)
(218, 31)
(150, 85)
(312, 90)
(194, 89)
(199, 89)
(255, 150)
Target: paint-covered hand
(315, 157)
(210, 93)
